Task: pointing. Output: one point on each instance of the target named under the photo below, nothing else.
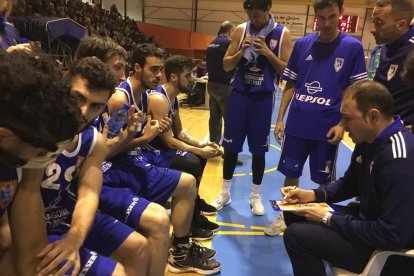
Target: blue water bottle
(118, 119)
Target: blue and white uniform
(130, 182)
(59, 193)
(155, 152)
(320, 73)
(251, 102)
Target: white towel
(250, 54)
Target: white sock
(226, 186)
(255, 189)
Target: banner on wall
(295, 23)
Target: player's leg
(235, 130)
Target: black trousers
(309, 243)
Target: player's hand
(311, 211)
(260, 46)
(112, 143)
(64, 251)
(335, 134)
(292, 195)
(152, 128)
(165, 124)
(247, 42)
(279, 132)
(25, 47)
(135, 120)
(208, 152)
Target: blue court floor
(242, 248)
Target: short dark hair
(177, 64)
(401, 9)
(96, 72)
(34, 101)
(407, 74)
(249, 5)
(370, 94)
(144, 50)
(226, 27)
(321, 4)
(103, 48)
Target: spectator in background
(9, 35)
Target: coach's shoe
(200, 234)
(256, 205)
(276, 227)
(184, 259)
(205, 208)
(221, 200)
(204, 223)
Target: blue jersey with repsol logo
(320, 73)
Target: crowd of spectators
(97, 20)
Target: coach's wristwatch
(326, 218)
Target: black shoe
(205, 223)
(205, 208)
(238, 163)
(200, 234)
(184, 259)
(205, 252)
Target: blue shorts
(143, 179)
(248, 115)
(123, 205)
(162, 158)
(91, 263)
(322, 158)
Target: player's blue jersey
(259, 76)
(8, 185)
(59, 185)
(320, 73)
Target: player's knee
(159, 222)
(188, 184)
(119, 270)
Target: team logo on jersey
(391, 72)
(339, 62)
(313, 87)
(273, 44)
(309, 58)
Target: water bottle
(118, 119)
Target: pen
(285, 197)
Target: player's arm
(183, 135)
(158, 107)
(278, 63)
(287, 95)
(89, 187)
(27, 222)
(234, 52)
